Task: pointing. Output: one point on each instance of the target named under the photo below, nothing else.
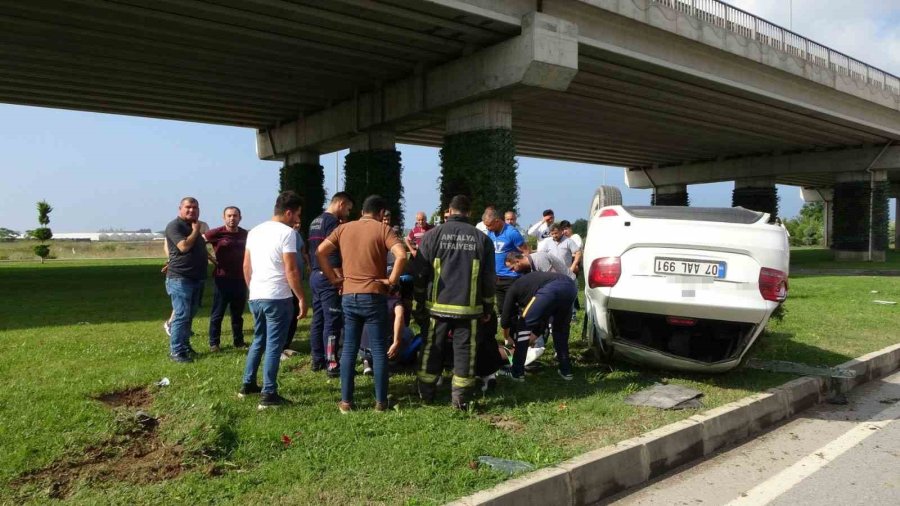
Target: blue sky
(109, 171)
(102, 171)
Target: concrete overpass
(677, 91)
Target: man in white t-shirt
(541, 229)
(568, 232)
(272, 274)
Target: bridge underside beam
(810, 168)
(544, 56)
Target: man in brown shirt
(363, 246)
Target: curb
(601, 473)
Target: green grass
(70, 331)
(23, 250)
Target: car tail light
(680, 322)
(772, 284)
(604, 272)
(606, 213)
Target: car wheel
(605, 195)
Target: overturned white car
(681, 288)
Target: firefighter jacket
(454, 269)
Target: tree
(808, 229)
(580, 227)
(6, 233)
(42, 233)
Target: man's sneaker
(565, 371)
(284, 356)
(488, 383)
(271, 401)
(517, 379)
(382, 406)
(181, 358)
(215, 348)
(367, 369)
(248, 389)
(345, 407)
(167, 328)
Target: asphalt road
(841, 455)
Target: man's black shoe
(240, 344)
(334, 373)
(248, 389)
(271, 401)
(318, 366)
(181, 358)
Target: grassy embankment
(71, 332)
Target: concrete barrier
(602, 473)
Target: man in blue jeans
(271, 273)
(363, 246)
(327, 324)
(185, 274)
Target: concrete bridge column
(670, 195)
(478, 156)
(303, 174)
(861, 213)
(373, 166)
(757, 194)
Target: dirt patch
(505, 423)
(136, 459)
(137, 397)
(136, 455)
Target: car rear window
(717, 214)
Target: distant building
(109, 236)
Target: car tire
(605, 195)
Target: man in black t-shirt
(185, 274)
(327, 318)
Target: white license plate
(689, 267)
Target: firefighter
(454, 293)
(533, 301)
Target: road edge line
(601, 473)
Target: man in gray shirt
(185, 275)
(562, 247)
(537, 262)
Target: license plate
(689, 267)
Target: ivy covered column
(895, 194)
(372, 167)
(478, 158)
(303, 174)
(759, 194)
(857, 197)
(670, 195)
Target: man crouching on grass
(271, 273)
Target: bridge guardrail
(720, 14)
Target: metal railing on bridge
(742, 22)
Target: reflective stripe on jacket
(454, 268)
